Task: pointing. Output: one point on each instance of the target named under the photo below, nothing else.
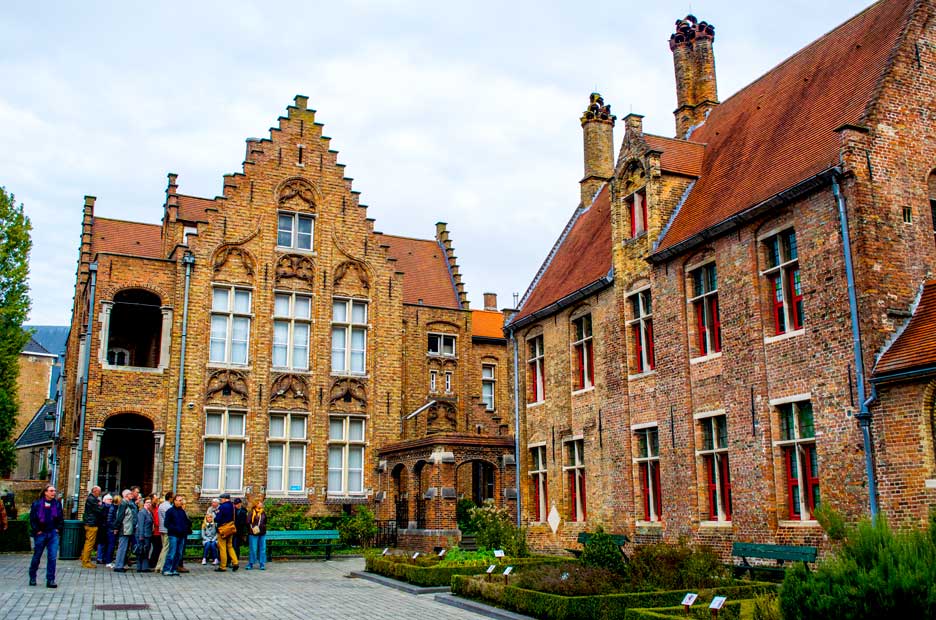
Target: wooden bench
(781, 553)
(619, 539)
(310, 539)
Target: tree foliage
(15, 244)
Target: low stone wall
(25, 492)
(427, 540)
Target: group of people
(153, 531)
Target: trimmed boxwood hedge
(611, 606)
(427, 573)
(16, 538)
(730, 611)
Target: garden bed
(429, 571)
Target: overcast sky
(460, 112)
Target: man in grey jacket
(163, 532)
(126, 523)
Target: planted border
(441, 575)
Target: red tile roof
(679, 156)
(916, 346)
(581, 258)
(425, 266)
(487, 324)
(780, 129)
(193, 208)
(120, 237)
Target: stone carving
(690, 29)
(352, 267)
(295, 266)
(234, 253)
(290, 392)
(230, 384)
(347, 393)
(297, 188)
(441, 418)
(597, 110)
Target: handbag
(227, 530)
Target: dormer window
(637, 206)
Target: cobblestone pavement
(313, 589)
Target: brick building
(269, 342)
(700, 344)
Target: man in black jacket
(178, 527)
(92, 511)
(240, 522)
(46, 521)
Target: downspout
(92, 268)
(516, 397)
(864, 414)
(59, 398)
(188, 260)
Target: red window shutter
(716, 323)
(643, 206)
(657, 496)
(712, 488)
(812, 482)
(580, 370)
(574, 510)
(725, 485)
(583, 495)
(638, 348)
(645, 490)
(536, 497)
(651, 361)
(545, 496)
(633, 219)
(531, 380)
(792, 481)
(591, 362)
(700, 321)
(796, 297)
(776, 292)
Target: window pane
(281, 305)
(280, 342)
(433, 346)
(359, 312)
(242, 301)
(213, 424)
(296, 467)
(340, 312)
(355, 430)
(448, 345)
(338, 348)
(212, 454)
(642, 444)
(302, 308)
(335, 457)
(336, 428)
(654, 436)
(239, 331)
(721, 424)
(233, 460)
(358, 340)
(275, 468)
(487, 372)
(235, 425)
(707, 436)
(284, 232)
(219, 299)
(304, 236)
(218, 338)
(297, 427)
(300, 346)
(786, 422)
(277, 426)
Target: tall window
(705, 303)
(448, 382)
(349, 336)
(433, 381)
(294, 230)
(783, 277)
(441, 344)
(714, 455)
(538, 481)
(637, 206)
(574, 468)
(345, 455)
(798, 443)
(536, 378)
(583, 354)
(291, 319)
(224, 451)
(230, 324)
(487, 386)
(287, 454)
(648, 462)
(641, 327)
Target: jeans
(48, 542)
(126, 541)
(211, 550)
(257, 550)
(108, 556)
(174, 555)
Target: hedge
(731, 610)
(16, 538)
(436, 575)
(611, 606)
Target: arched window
(135, 329)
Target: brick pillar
(598, 140)
(694, 66)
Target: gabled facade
(730, 399)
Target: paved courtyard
(312, 589)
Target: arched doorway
(126, 456)
(420, 484)
(475, 480)
(400, 496)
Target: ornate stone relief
(442, 417)
(347, 394)
(351, 276)
(290, 392)
(227, 386)
(295, 266)
(297, 188)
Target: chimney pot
(490, 301)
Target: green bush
(876, 573)
(287, 516)
(358, 529)
(496, 530)
(429, 571)
(455, 555)
(463, 515)
(16, 537)
(570, 579)
(767, 607)
(602, 552)
(665, 566)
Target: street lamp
(49, 422)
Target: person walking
(209, 535)
(46, 520)
(240, 523)
(106, 503)
(178, 527)
(163, 532)
(92, 510)
(226, 532)
(257, 524)
(144, 532)
(126, 524)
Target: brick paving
(313, 589)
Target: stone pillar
(598, 138)
(166, 337)
(104, 331)
(159, 444)
(694, 66)
(94, 455)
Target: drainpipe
(516, 397)
(92, 268)
(59, 399)
(864, 414)
(188, 260)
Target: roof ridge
(383, 234)
(114, 219)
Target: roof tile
(121, 237)
(427, 279)
(487, 324)
(916, 346)
(193, 208)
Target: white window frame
(345, 444)
(641, 303)
(224, 440)
(587, 346)
(800, 444)
(449, 380)
(536, 357)
(782, 271)
(291, 321)
(703, 300)
(293, 230)
(539, 474)
(348, 327)
(229, 315)
(575, 448)
(488, 384)
(433, 381)
(441, 340)
(288, 442)
(717, 453)
(653, 462)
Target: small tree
(602, 552)
(496, 530)
(15, 244)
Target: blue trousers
(48, 542)
(257, 550)
(126, 541)
(174, 555)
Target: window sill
(292, 371)
(590, 388)
(285, 249)
(440, 356)
(536, 404)
(226, 365)
(350, 375)
(779, 337)
(812, 523)
(641, 375)
(716, 525)
(148, 369)
(650, 524)
(705, 358)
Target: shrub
(766, 607)
(602, 552)
(570, 579)
(463, 515)
(359, 529)
(876, 573)
(496, 530)
(455, 555)
(664, 566)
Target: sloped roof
(426, 273)
(122, 237)
(487, 324)
(35, 432)
(34, 348)
(581, 258)
(916, 346)
(780, 129)
(193, 208)
(678, 156)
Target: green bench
(312, 540)
(781, 553)
(619, 539)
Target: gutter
(188, 259)
(587, 290)
(92, 268)
(902, 375)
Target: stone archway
(476, 480)
(400, 496)
(125, 456)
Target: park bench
(781, 553)
(619, 539)
(305, 540)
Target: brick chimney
(694, 64)
(490, 301)
(598, 136)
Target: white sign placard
(717, 602)
(441, 553)
(386, 551)
(690, 598)
(498, 553)
(415, 555)
(491, 569)
(508, 570)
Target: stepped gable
(122, 237)
(677, 156)
(582, 256)
(915, 347)
(487, 324)
(780, 129)
(193, 208)
(425, 268)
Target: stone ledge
(479, 608)
(397, 584)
